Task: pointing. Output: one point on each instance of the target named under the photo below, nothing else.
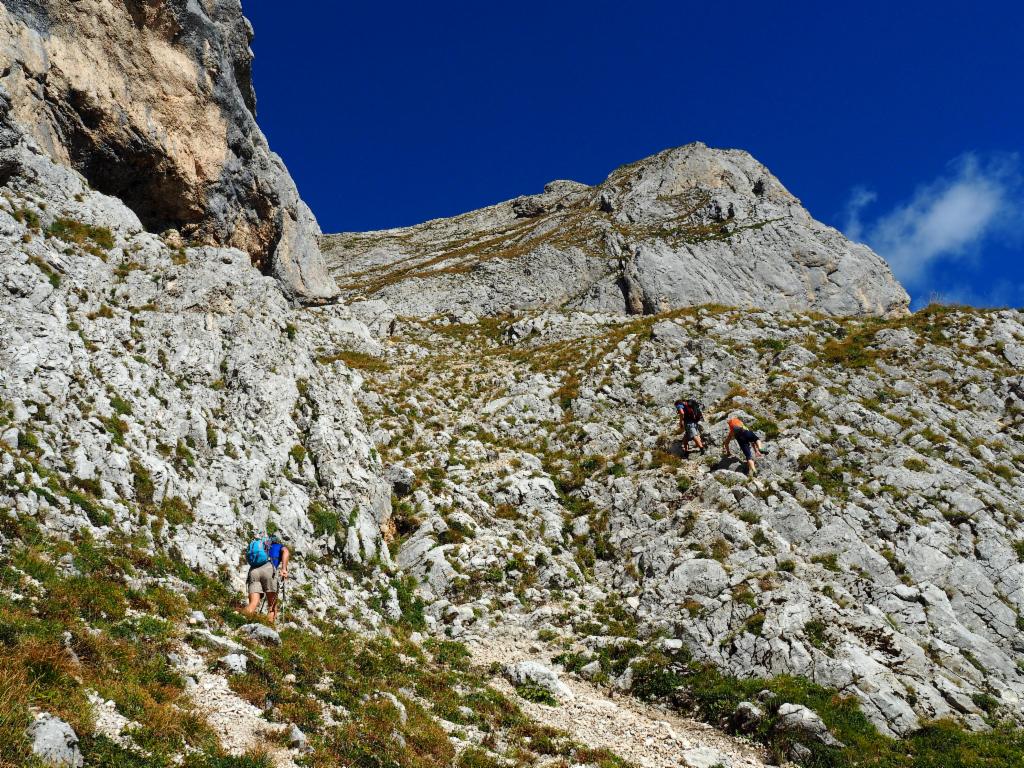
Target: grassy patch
(701, 690)
(326, 521)
(92, 239)
(359, 360)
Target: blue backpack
(257, 554)
(275, 552)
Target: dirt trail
(238, 724)
(644, 735)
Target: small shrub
(325, 521)
(116, 427)
(537, 694)
(720, 550)
(477, 758)
(359, 360)
(815, 632)
(93, 239)
(1003, 471)
(121, 406)
(176, 511)
(28, 217)
(829, 562)
(411, 604)
(51, 274)
(755, 624)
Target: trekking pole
(280, 598)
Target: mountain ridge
(689, 225)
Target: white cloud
(860, 198)
(946, 219)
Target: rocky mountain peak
(687, 226)
(696, 166)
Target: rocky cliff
(687, 226)
(168, 390)
(152, 102)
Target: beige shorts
(263, 579)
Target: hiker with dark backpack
(747, 440)
(691, 414)
(268, 569)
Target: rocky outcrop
(685, 227)
(54, 742)
(173, 393)
(152, 102)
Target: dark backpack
(694, 411)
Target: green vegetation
(121, 636)
(706, 693)
(92, 239)
(358, 360)
(818, 470)
(176, 511)
(28, 217)
(121, 406)
(1018, 547)
(326, 521)
(829, 562)
(815, 630)
(51, 274)
(123, 659)
(537, 694)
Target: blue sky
(901, 123)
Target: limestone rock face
(173, 392)
(688, 226)
(153, 103)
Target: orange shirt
(734, 424)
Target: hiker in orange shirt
(747, 440)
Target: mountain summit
(687, 226)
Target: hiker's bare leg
(751, 469)
(698, 442)
(254, 604)
(272, 606)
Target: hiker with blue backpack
(268, 568)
